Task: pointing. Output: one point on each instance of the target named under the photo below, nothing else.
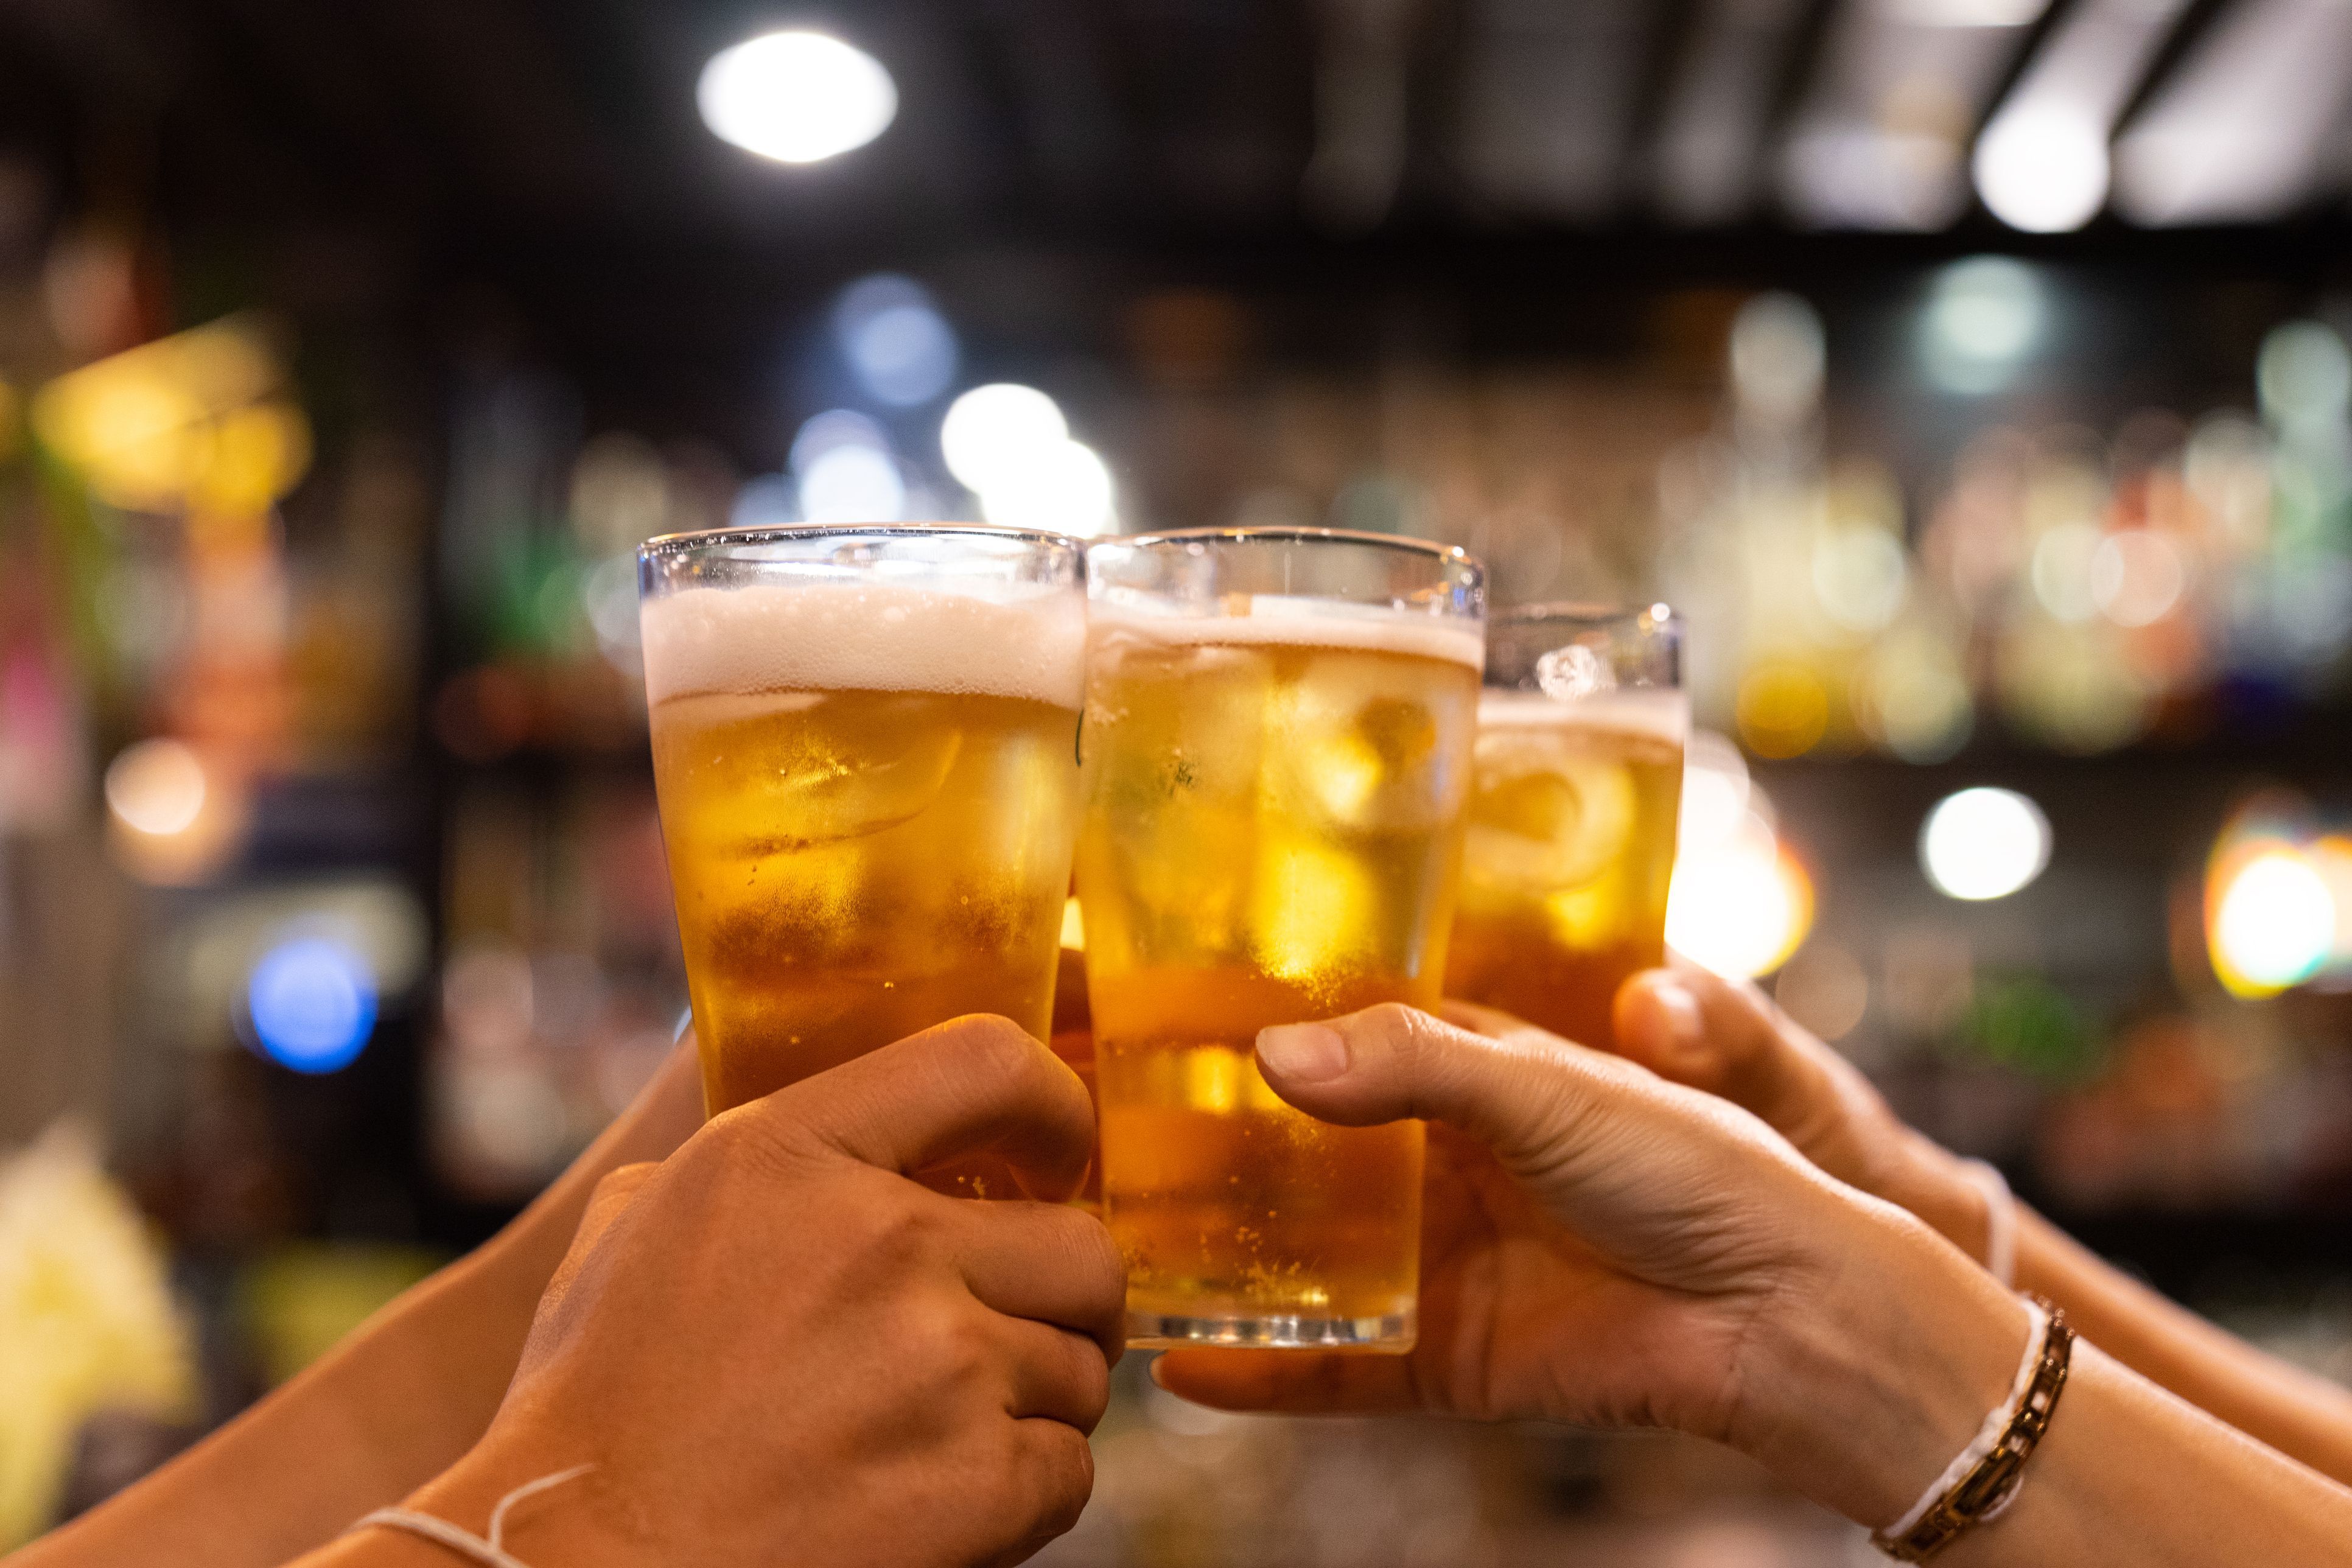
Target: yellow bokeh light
(188, 420)
(1741, 907)
(1783, 709)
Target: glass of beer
(1275, 756)
(865, 750)
(1571, 841)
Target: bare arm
(1607, 1249)
(396, 1404)
(1696, 1029)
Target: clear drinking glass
(1275, 756)
(1571, 843)
(864, 746)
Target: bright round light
(820, 433)
(1066, 488)
(1777, 355)
(2137, 577)
(2275, 924)
(2043, 172)
(2304, 373)
(1742, 908)
(311, 1003)
(1983, 316)
(1859, 576)
(853, 484)
(898, 344)
(1984, 844)
(796, 96)
(156, 787)
(992, 431)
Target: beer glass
(1571, 840)
(1276, 754)
(865, 750)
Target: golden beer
(1571, 843)
(867, 796)
(1271, 833)
(1567, 856)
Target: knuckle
(1054, 1472)
(996, 1048)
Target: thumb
(1523, 1093)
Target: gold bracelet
(1988, 1485)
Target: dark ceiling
(545, 154)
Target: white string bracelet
(489, 1550)
(1988, 1435)
(2001, 1219)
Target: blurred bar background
(1971, 374)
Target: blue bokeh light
(312, 1005)
(901, 347)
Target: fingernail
(1303, 1053)
(1685, 1025)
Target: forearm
(394, 1405)
(2127, 1474)
(2301, 1414)
(1871, 1383)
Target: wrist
(1860, 1388)
(580, 1523)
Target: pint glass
(1277, 750)
(1571, 841)
(864, 748)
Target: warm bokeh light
(1984, 843)
(2273, 924)
(156, 787)
(796, 96)
(1741, 906)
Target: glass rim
(666, 544)
(1658, 613)
(1428, 549)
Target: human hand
(776, 1345)
(1604, 1248)
(1692, 1027)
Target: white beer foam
(1303, 623)
(1659, 714)
(865, 637)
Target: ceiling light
(2044, 172)
(796, 96)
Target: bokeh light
(311, 1003)
(157, 787)
(844, 470)
(796, 96)
(1983, 317)
(1741, 905)
(2273, 924)
(900, 347)
(992, 431)
(1064, 488)
(2043, 170)
(1984, 843)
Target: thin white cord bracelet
(1988, 1435)
(490, 1550)
(2000, 1220)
